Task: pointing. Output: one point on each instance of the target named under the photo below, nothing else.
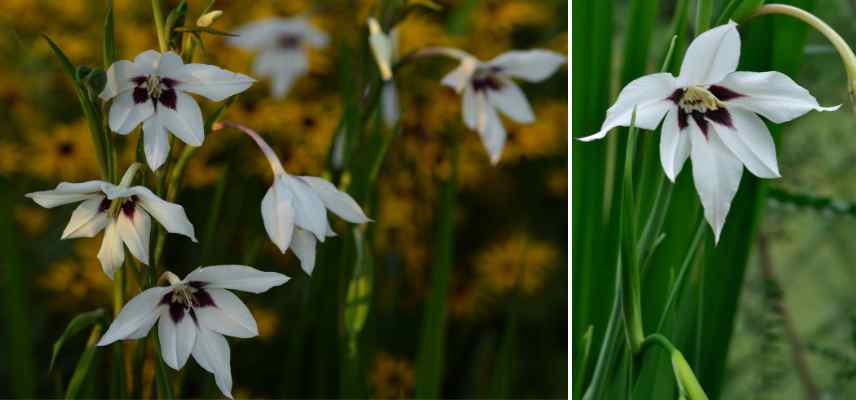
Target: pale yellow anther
(697, 98)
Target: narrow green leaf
(582, 366)
(67, 66)
(84, 364)
(77, 324)
(109, 49)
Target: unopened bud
(205, 20)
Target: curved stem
(841, 46)
(687, 382)
(157, 14)
(275, 164)
(630, 281)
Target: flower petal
(229, 316)
(337, 201)
(147, 62)
(459, 78)
(309, 210)
(155, 143)
(185, 121)
(303, 246)
(283, 66)
(177, 339)
(389, 104)
(530, 65)
(278, 216)
(771, 94)
(213, 82)
(171, 65)
(170, 215)
(711, 56)
(512, 102)
(212, 353)
(236, 277)
(750, 140)
(134, 315)
(112, 253)
(648, 95)
(145, 327)
(126, 114)
(491, 131)
(381, 49)
(66, 193)
(674, 145)
(119, 77)
(471, 104)
(86, 220)
(135, 230)
(717, 173)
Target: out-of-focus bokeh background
(508, 273)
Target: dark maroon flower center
(160, 90)
(184, 299)
(703, 106)
(485, 83)
(128, 206)
(289, 41)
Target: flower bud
(686, 378)
(205, 20)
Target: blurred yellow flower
(516, 260)
(267, 321)
(77, 278)
(391, 377)
(34, 220)
(64, 153)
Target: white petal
(648, 95)
(66, 193)
(530, 65)
(134, 315)
(236, 277)
(170, 215)
(176, 339)
(511, 101)
(750, 140)
(389, 104)
(147, 62)
(185, 122)
(212, 353)
(491, 131)
(213, 82)
(125, 114)
(155, 143)
(119, 77)
(711, 56)
(381, 49)
(278, 216)
(459, 78)
(145, 327)
(716, 173)
(309, 210)
(171, 65)
(303, 247)
(135, 231)
(771, 94)
(112, 253)
(471, 103)
(229, 316)
(674, 145)
(337, 201)
(256, 35)
(86, 220)
(283, 66)
(313, 36)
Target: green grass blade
(109, 49)
(77, 324)
(84, 364)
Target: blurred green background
(506, 331)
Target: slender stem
(630, 285)
(841, 46)
(157, 14)
(687, 382)
(679, 282)
(704, 12)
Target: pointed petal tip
(596, 136)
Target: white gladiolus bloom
(193, 316)
(385, 50)
(294, 209)
(152, 90)
(710, 114)
(123, 213)
(486, 88)
(282, 44)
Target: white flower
(385, 50)
(294, 209)
(486, 88)
(281, 43)
(152, 90)
(122, 212)
(194, 314)
(710, 116)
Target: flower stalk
(157, 14)
(630, 286)
(841, 46)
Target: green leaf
(77, 324)
(208, 30)
(67, 66)
(109, 48)
(84, 364)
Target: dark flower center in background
(289, 41)
(65, 148)
(160, 90)
(485, 83)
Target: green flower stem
(157, 14)
(679, 282)
(630, 286)
(704, 12)
(843, 49)
(687, 383)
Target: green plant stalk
(75, 385)
(608, 348)
(630, 286)
(157, 15)
(429, 365)
(678, 286)
(704, 13)
(687, 383)
(119, 389)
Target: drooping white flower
(193, 316)
(486, 87)
(282, 45)
(152, 90)
(385, 50)
(123, 213)
(294, 209)
(709, 114)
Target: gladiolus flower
(385, 50)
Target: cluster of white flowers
(154, 90)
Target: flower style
(123, 213)
(294, 209)
(709, 113)
(282, 44)
(152, 90)
(385, 50)
(193, 316)
(487, 87)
